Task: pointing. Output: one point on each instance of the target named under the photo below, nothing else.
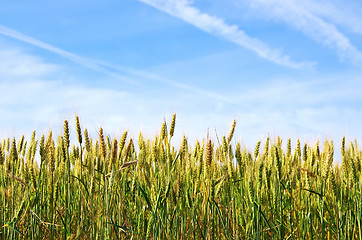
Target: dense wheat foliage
(123, 188)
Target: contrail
(184, 10)
(85, 62)
(313, 25)
(107, 68)
(171, 83)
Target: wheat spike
(232, 130)
(79, 131)
(208, 158)
(173, 123)
(66, 134)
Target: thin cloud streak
(85, 62)
(310, 24)
(107, 68)
(335, 11)
(171, 83)
(182, 9)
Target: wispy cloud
(16, 64)
(342, 13)
(88, 63)
(170, 82)
(110, 69)
(302, 18)
(33, 95)
(184, 10)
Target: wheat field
(124, 188)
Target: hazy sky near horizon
(289, 68)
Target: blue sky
(289, 68)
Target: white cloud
(14, 64)
(303, 18)
(85, 62)
(343, 13)
(111, 70)
(214, 25)
(170, 82)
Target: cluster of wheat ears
(108, 188)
